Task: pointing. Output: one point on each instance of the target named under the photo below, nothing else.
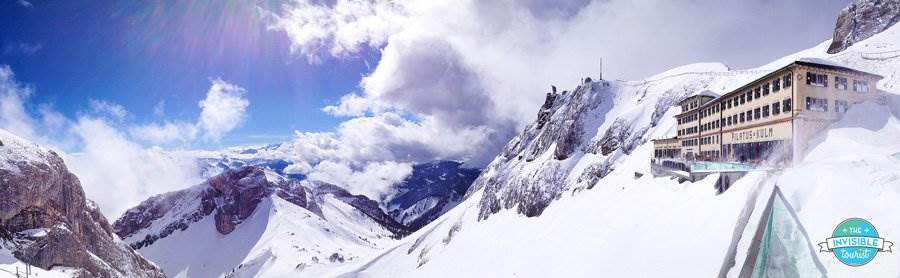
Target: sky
(357, 90)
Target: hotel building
(769, 119)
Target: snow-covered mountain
(431, 188)
(428, 192)
(566, 196)
(46, 221)
(252, 222)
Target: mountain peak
(46, 221)
(861, 20)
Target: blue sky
(141, 53)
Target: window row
(708, 140)
(686, 131)
(709, 126)
(688, 118)
(840, 83)
(758, 113)
(821, 105)
(689, 142)
(758, 92)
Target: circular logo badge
(855, 242)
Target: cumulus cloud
(118, 173)
(316, 28)
(452, 67)
(224, 109)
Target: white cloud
(118, 173)
(224, 109)
(165, 133)
(474, 73)
(159, 110)
(103, 107)
(24, 3)
(114, 171)
(27, 49)
(316, 28)
(13, 95)
(373, 180)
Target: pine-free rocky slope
(46, 221)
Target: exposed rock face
(561, 124)
(431, 190)
(863, 19)
(47, 222)
(231, 197)
(580, 136)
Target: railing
(883, 55)
(710, 166)
(700, 166)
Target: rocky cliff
(47, 222)
(861, 20)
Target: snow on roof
(830, 63)
(708, 93)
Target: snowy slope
(574, 168)
(9, 265)
(251, 222)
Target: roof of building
(818, 62)
(812, 62)
(703, 93)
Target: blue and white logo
(855, 242)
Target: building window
(787, 80)
(840, 83)
(734, 119)
(816, 79)
(756, 113)
(861, 86)
(841, 106)
(742, 117)
(776, 108)
(765, 90)
(776, 85)
(742, 99)
(749, 115)
(765, 111)
(750, 94)
(816, 104)
(786, 106)
(728, 121)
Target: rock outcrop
(231, 197)
(47, 222)
(861, 20)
